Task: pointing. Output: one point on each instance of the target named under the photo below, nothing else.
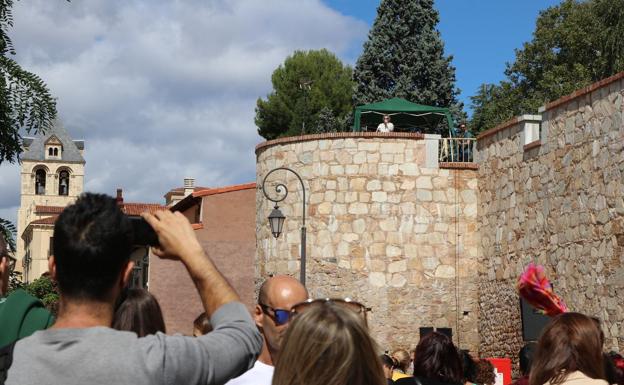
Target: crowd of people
(107, 333)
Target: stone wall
(385, 226)
(557, 201)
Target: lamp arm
(282, 189)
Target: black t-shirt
(421, 381)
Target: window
(40, 182)
(64, 183)
(56, 152)
(50, 151)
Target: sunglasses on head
(346, 302)
(282, 317)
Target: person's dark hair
(485, 373)
(438, 359)
(525, 357)
(469, 367)
(202, 324)
(92, 243)
(388, 361)
(570, 342)
(139, 312)
(617, 364)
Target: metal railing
(457, 149)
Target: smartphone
(144, 234)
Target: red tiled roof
(135, 209)
(221, 190)
(49, 209)
(180, 190)
(45, 221)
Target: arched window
(64, 183)
(40, 182)
(56, 152)
(50, 151)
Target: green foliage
(8, 231)
(25, 101)
(46, 290)
(404, 57)
(574, 44)
(290, 104)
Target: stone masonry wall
(382, 228)
(557, 202)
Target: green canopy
(405, 115)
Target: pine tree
(404, 57)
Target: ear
(52, 267)
(258, 315)
(126, 273)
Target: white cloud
(161, 90)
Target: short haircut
(485, 372)
(525, 356)
(92, 243)
(139, 312)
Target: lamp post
(305, 85)
(276, 218)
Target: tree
(404, 57)
(574, 44)
(25, 101)
(307, 82)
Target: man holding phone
(92, 245)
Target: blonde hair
(328, 344)
(403, 359)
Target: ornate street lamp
(276, 218)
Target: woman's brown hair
(139, 312)
(570, 342)
(328, 344)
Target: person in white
(276, 298)
(386, 126)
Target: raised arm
(178, 241)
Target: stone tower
(52, 177)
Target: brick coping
(532, 145)
(555, 103)
(584, 91)
(459, 165)
(338, 135)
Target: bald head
(282, 288)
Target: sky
(161, 90)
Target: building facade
(52, 177)
(388, 224)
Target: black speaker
(446, 331)
(425, 331)
(533, 322)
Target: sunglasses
(346, 302)
(279, 316)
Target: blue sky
(480, 34)
(163, 90)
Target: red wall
(229, 238)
